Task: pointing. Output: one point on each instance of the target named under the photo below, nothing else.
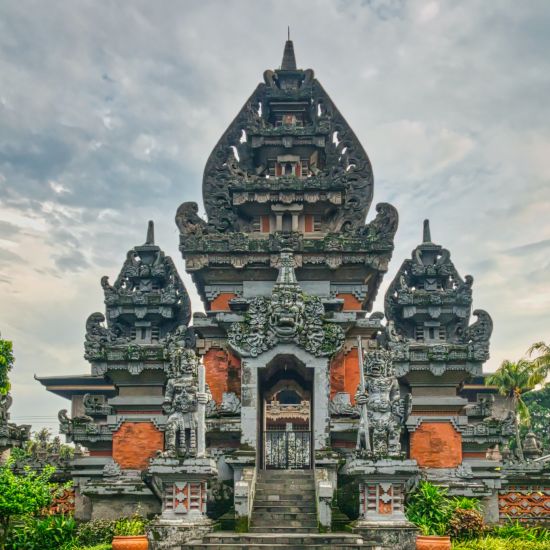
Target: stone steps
(293, 492)
(252, 541)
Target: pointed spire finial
(288, 29)
(150, 233)
(426, 237)
(289, 59)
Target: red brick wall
(221, 302)
(344, 374)
(223, 373)
(436, 445)
(351, 303)
(134, 443)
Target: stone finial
(426, 236)
(287, 275)
(289, 59)
(150, 233)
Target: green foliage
(513, 380)
(494, 543)
(430, 509)
(98, 531)
(511, 536)
(41, 447)
(466, 503)
(41, 533)
(466, 524)
(130, 527)
(221, 499)
(6, 364)
(517, 530)
(541, 361)
(347, 496)
(538, 403)
(241, 524)
(24, 494)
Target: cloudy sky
(109, 110)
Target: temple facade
(287, 368)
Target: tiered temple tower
(297, 375)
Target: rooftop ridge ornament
(289, 58)
(150, 239)
(426, 234)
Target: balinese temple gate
(286, 369)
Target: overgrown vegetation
(6, 364)
(23, 495)
(516, 379)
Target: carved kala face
(286, 313)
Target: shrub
(466, 523)
(22, 495)
(430, 509)
(97, 531)
(516, 530)
(495, 543)
(41, 533)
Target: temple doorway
(286, 395)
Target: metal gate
(288, 449)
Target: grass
(497, 543)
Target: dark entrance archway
(286, 414)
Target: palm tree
(513, 379)
(542, 361)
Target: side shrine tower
(286, 369)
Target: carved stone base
(167, 534)
(181, 486)
(390, 535)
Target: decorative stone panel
(525, 503)
(185, 497)
(134, 443)
(436, 445)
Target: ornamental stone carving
(289, 315)
(385, 407)
(181, 402)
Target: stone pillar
(201, 412)
(182, 487)
(382, 486)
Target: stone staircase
(284, 516)
(284, 502)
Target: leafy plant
(6, 364)
(466, 524)
(517, 530)
(98, 531)
(430, 509)
(538, 403)
(513, 379)
(490, 542)
(22, 495)
(466, 503)
(39, 533)
(130, 527)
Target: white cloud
(109, 114)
